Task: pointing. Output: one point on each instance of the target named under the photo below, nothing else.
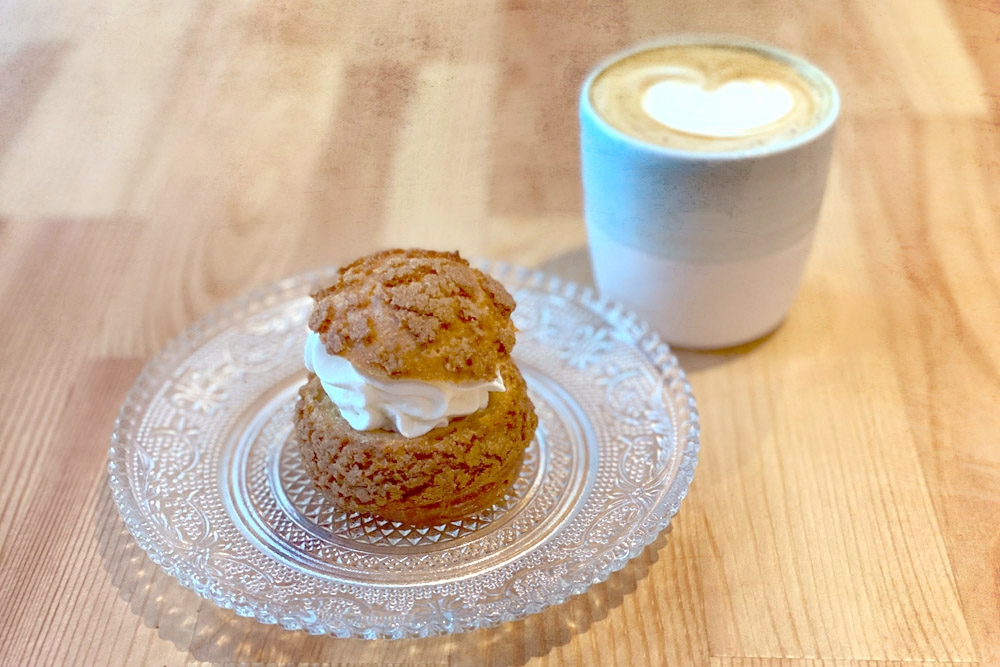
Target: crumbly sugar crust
(450, 472)
(416, 314)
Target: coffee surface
(710, 97)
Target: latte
(712, 97)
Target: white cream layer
(737, 108)
(409, 407)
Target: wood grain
(158, 159)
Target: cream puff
(414, 410)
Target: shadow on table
(212, 634)
(573, 265)
(693, 361)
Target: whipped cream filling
(683, 101)
(409, 407)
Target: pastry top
(416, 314)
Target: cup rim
(826, 123)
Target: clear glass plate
(207, 478)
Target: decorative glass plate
(206, 474)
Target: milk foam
(735, 109)
(707, 97)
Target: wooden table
(159, 158)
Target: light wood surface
(159, 158)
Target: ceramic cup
(704, 162)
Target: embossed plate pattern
(207, 479)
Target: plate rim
(514, 277)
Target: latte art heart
(711, 98)
(734, 109)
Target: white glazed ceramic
(708, 247)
